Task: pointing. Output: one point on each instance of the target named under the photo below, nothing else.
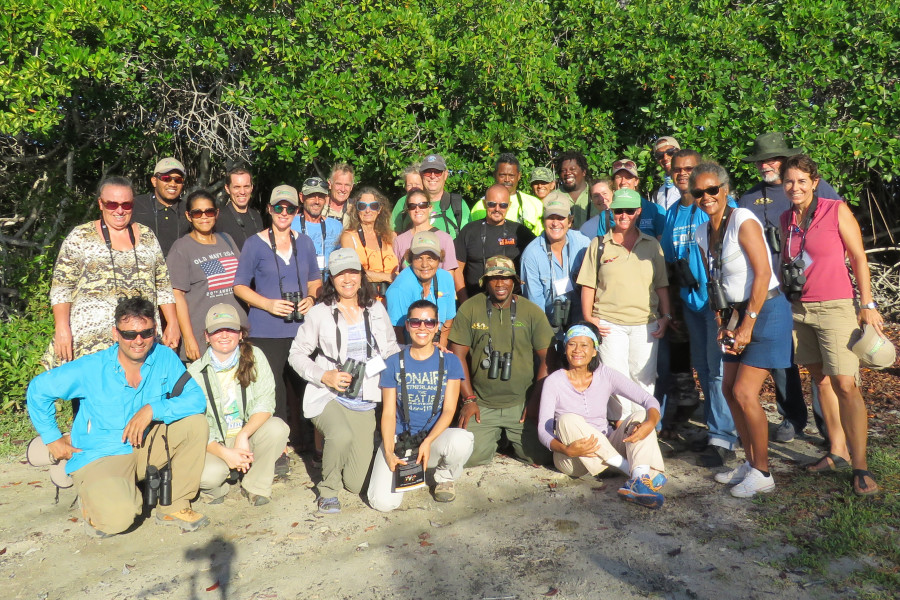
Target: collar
(112, 357)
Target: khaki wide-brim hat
(874, 351)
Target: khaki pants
(571, 427)
(349, 446)
(522, 436)
(106, 487)
(267, 444)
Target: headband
(579, 330)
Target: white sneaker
(735, 475)
(755, 482)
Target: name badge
(562, 286)
(375, 365)
(806, 260)
(320, 260)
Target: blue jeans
(706, 355)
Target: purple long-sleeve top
(559, 397)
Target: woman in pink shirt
(818, 233)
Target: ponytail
(246, 371)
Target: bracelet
(469, 399)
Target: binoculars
(793, 279)
(559, 312)
(497, 365)
(295, 316)
(158, 486)
(357, 370)
(717, 299)
(409, 443)
(683, 276)
(773, 238)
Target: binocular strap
(404, 393)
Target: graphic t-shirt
(229, 404)
(421, 384)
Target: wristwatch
(666, 316)
(752, 314)
(872, 304)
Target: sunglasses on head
(314, 182)
(196, 213)
(417, 323)
(420, 205)
(660, 153)
(627, 165)
(711, 190)
(174, 178)
(624, 211)
(131, 335)
(374, 206)
(284, 208)
(503, 205)
(114, 206)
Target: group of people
(419, 339)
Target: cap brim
(768, 155)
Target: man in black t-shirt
(237, 218)
(162, 210)
(484, 238)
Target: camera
(158, 486)
(773, 238)
(407, 443)
(717, 300)
(357, 370)
(793, 279)
(559, 312)
(683, 275)
(295, 316)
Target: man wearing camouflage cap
(162, 209)
(497, 335)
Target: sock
(765, 473)
(640, 470)
(619, 462)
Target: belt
(773, 293)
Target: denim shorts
(771, 342)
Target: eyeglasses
(711, 190)
(132, 335)
(373, 206)
(660, 153)
(284, 208)
(417, 323)
(114, 206)
(315, 182)
(174, 178)
(627, 165)
(685, 169)
(420, 205)
(196, 213)
(624, 211)
(503, 205)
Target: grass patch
(826, 522)
(16, 430)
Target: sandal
(829, 463)
(860, 488)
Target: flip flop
(859, 483)
(829, 463)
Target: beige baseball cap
(169, 164)
(284, 193)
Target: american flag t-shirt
(220, 272)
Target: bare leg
(832, 410)
(729, 377)
(745, 391)
(853, 417)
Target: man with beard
(162, 209)
(237, 218)
(667, 194)
(340, 185)
(768, 201)
(487, 237)
(573, 172)
(523, 208)
(491, 328)
(324, 233)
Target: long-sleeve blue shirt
(539, 270)
(107, 401)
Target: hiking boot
(643, 491)
(185, 518)
(283, 465)
(754, 483)
(444, 492)
(254, 499)
(328, 506)
(785, 432)
(715, 456)
(735, 475)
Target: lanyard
(519, 212)
(137, 265)
(512, 321)
(240, 221)
(565, 259)
(715, 262)
(322, 223)
(277, 259)
(362, 240)
(212, 402)
(404, 394)
(369, 338)
(484, 256)
(805, 224)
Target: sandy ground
(515, 531)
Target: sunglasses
(132, 335)
(284, 208)
(173, 178)
(628, 165)
(314, 182)
(419, 205)
(624, 211)
(711, 190)
(114, 206)
(374, 206)
(196, 213)
(417, 323)
(660, 153)
(503, 205)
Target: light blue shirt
(407, 288)
(539, 270)
(653, 221)
(333, 230)
(107, 401)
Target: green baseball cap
(542, 174)
(625, 198)
(499, 266)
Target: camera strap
(512, 319)
(404, 394)
(565, 259)
(369, 338)
(503, 235)
(278, 266)
(804, 225)
(362, 240)
(165, 439)
(212, 402)
(715, 262)
(137, 265)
